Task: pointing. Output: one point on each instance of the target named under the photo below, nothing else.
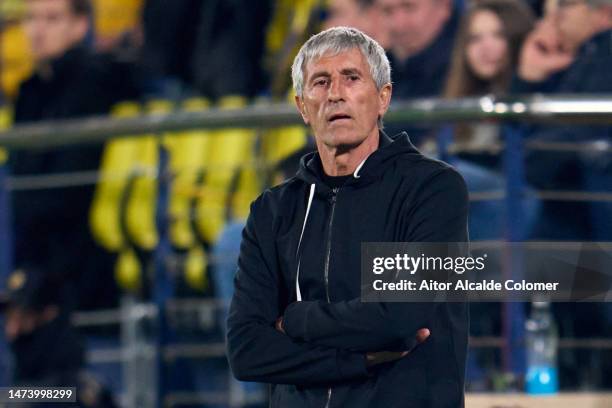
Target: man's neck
(342, 161)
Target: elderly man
(296, 320)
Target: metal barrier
(541, 109)
(593, 109)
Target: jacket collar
(311, 168)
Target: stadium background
(168, 202)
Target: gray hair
(335, 40)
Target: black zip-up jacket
(397, 195)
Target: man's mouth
(338, 116)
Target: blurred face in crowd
(414, 24)
(52, 27)
(487, 48)
(21, 322)
(350, 13)
(577, 22)
(340, 100)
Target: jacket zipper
(329, 235)
(327, 257)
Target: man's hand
(381, 357)
(543, 53)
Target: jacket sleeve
(256, 350)
(439, 215)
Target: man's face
(576, 22)
(414, 24)
(52, 28)
(340, 100)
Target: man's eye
(353, 77)
(320, 82)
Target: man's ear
(384, 96)
(299, 103)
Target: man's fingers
(279, 325)
(381, 357)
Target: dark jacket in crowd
(398, 195)
(80, 84)
(423, 75)
(51, 224)
(215, 46)
(590, 73)
(589, 170)
(53, 356)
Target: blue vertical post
(6, 249)
(444, 140)
(513, 318)
(163, 285)
(6, 258)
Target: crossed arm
(258, 351)
(319, 342)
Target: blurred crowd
(65, 59)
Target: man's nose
(336, 91)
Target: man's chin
(343, 144)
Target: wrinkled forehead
(336, 60)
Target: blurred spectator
(421, 34)
(487, 47)
(47, 350)
(213, 47)
(229, 48)
(364, 15)
(69, 81)
(569, 52)
(483, 61)
(168, 52)
(484, 57)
